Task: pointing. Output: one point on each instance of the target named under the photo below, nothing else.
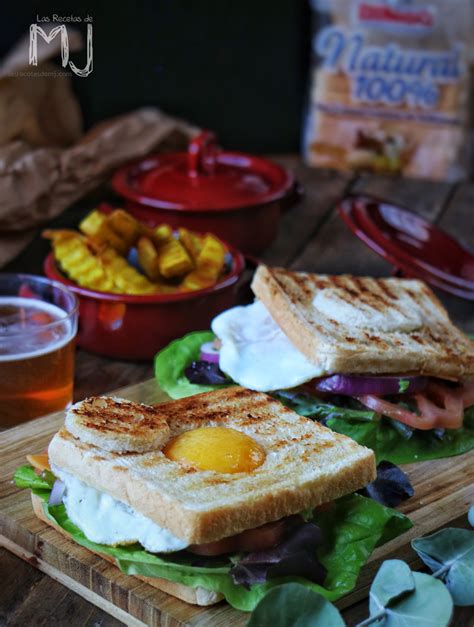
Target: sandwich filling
(256, 353)
(106, 520)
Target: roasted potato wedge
(173, 259)
(168, 261)
(210, 261)
(148, 258)
(192, 242)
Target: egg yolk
(221, 449)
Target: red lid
(204, 178)
(411, 243)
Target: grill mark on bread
(381, 291)
(64, 433)
(449, 355)
(117, 425)
(111, 416)
(357, 291)
(385, 289)
(299, 283)
(370, 295)
(346, 294)
(238, 407)
(320, 284)
(375, 338)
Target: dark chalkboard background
(237, 67)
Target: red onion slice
(209, 353)
(57, 493)
(358, 385)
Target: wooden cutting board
(444, 490)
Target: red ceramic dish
(136, 327)
(411, 244)
(237, 196)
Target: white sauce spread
(256, 353)
(106, 520)
(332, 303)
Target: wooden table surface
(313, 238)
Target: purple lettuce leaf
(205, 373)
(391, 486)
(294, 556)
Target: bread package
(389, 87)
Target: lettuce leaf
(173, 359)
(389, 445)
(26, 477)
(352, 528)
(364, 426)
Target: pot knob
(202, 152)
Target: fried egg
(106, 520)
(257, 354)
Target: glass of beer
(38, 324)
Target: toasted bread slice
(195, 596)
(117, 425)
(351, 324)
(305, 465)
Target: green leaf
(293, 604)
(393, 579)
(171, 362)
(391, 446)
(403, 385)
(352, 528)
(449, 553)
(430, 605)
(362, 425)
(307, 405)
(26, 477)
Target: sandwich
(217, 495)
(376, 359)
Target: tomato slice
(443, 405)
(439, 407)
(258, 539)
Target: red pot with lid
(237, 196)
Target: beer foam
(18, 342)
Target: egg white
(106, 520)
(256, 353)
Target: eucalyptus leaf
(293, 604)
(449, 553)
(393, 579)
(430, 605)
(470, 516)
